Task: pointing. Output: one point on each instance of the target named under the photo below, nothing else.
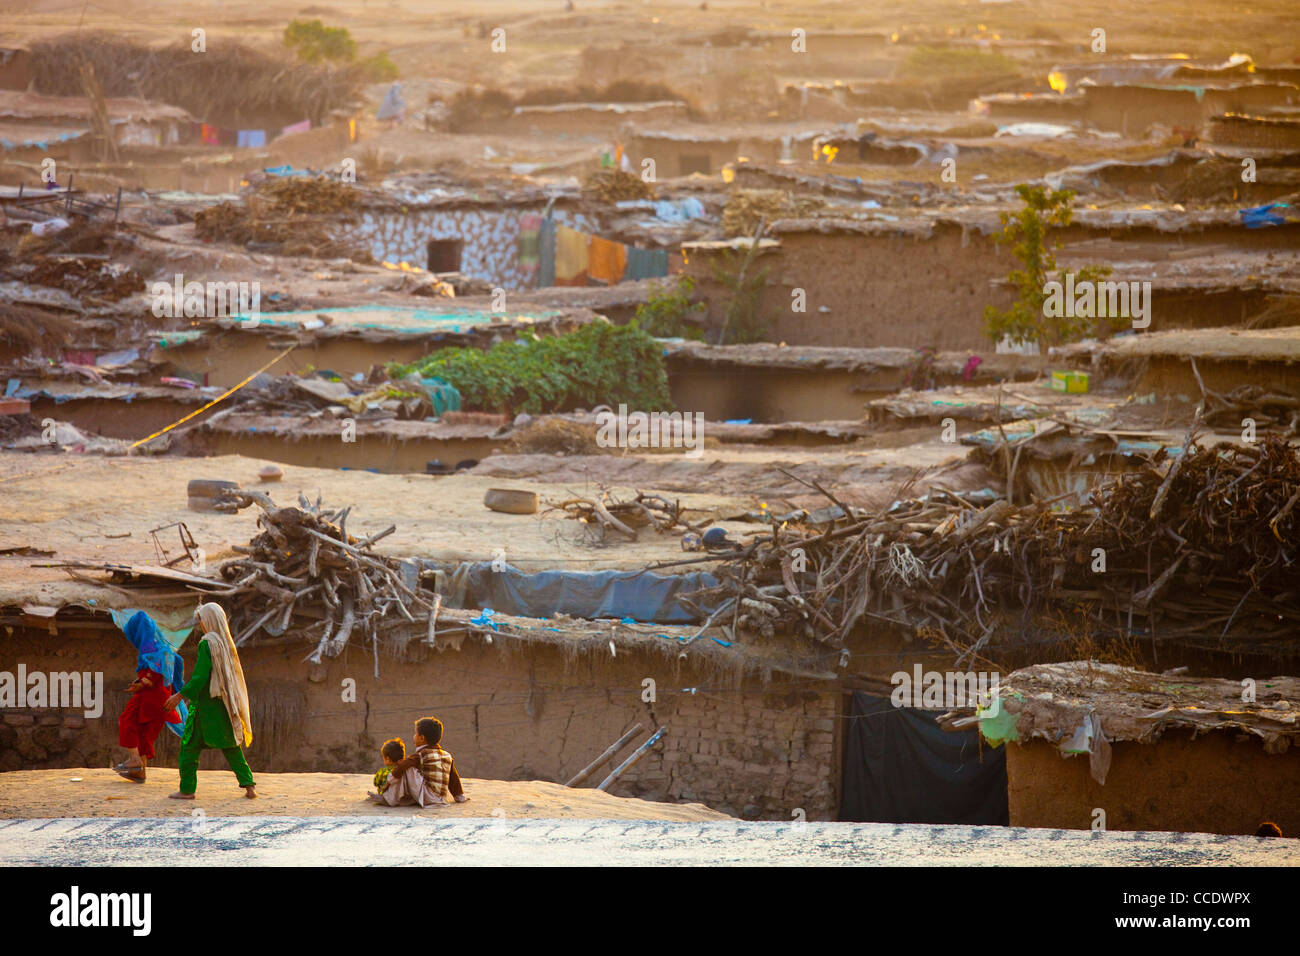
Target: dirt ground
(87, 508)
(102, 793)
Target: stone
(19, 720)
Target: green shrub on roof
(599, 364)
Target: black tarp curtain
(900, 766)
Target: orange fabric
(606, 260)
(571, 256)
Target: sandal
(132, 773)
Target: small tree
(1026, 320)
(314, 42)
(669, 313)
(744, 321)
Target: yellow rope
(219, 398)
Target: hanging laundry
(302, 127)
(530, 224)
(251, 138)
(209, 135)
(570, 256)
(646, 263)
(546, 254)
(606, 260)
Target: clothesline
(213, 135)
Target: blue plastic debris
(1257, 217)
(485, 619)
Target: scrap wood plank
(631, 761)
(138, 570)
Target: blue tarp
(641, 596)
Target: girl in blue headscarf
(159, 672)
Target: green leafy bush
(1025, 321)
(379, 68)
(599, 364)
(668, 311)
(314, 42)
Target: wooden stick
(431, 637)
(609, 752)
(636, 755)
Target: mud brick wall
(754, 755)
(1219, 782)
(518, 712)
(877, 290)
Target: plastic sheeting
(900, 766)
(640, 595)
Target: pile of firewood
(304, 572)
(627, 518)
(1197, 548)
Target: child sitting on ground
(427, 776)
(392, 751)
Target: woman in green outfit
(218, 698)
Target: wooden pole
(636, 755)
(592, 767)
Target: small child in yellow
(393, 751)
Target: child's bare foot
(250, 792)
(180, 796)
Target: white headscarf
(227, 674)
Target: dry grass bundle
(747, 207)
(229, 84)
(285, 216)
(31, 330)
(83, 236)
(110, 281)
(556, 435)
(298, 195)
(615, 185)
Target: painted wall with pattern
(490, 237)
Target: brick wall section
(528, 712)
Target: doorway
(443, 255)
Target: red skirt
(144, 717)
